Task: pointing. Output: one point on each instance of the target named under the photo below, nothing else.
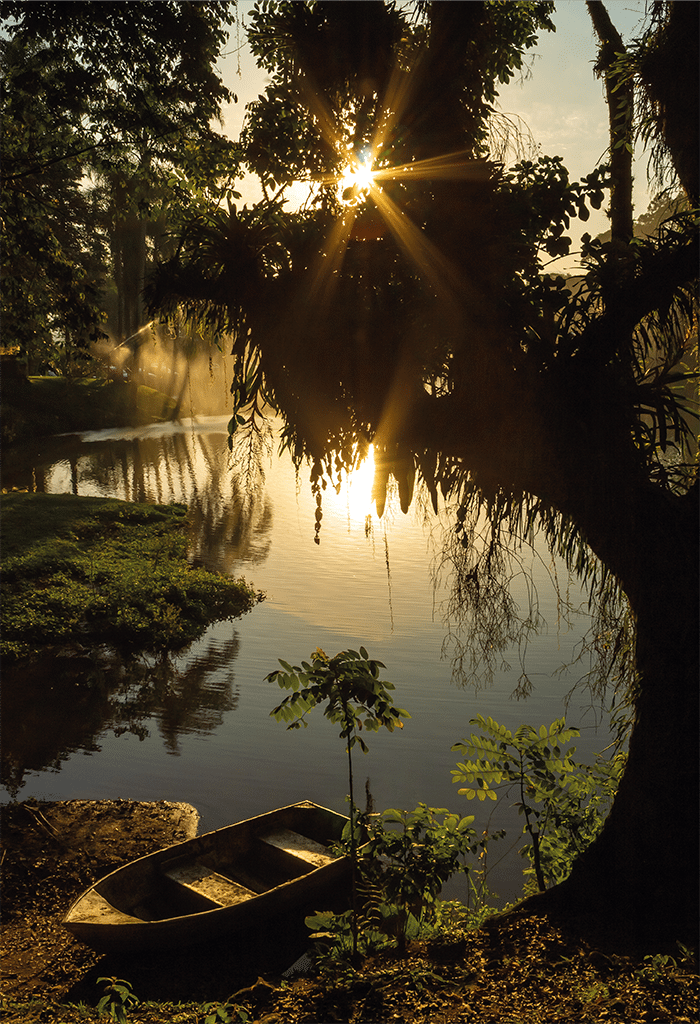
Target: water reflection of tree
(229, 521)
(55, 708)
(49, 712)
(230, 513)
(185, 700)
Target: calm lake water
(199, 729)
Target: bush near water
(83, 570)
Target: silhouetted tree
(419, 316)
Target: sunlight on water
(354, 499)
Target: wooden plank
(209, 883)
(300, 846)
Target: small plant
(224, 1013)
(401, 873)
(479, 904)
(355, 697)
(117, 999)
(564, 803)
(661, 967)
(412, 863)
(334, 937)
(453, 918)
(593, 992)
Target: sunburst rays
(374, 210)
(361, 184)
(439, 272)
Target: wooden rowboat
(216, 884)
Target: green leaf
(393, 815)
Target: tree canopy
(413, 309)
(108, 113)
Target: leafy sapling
(355, 698)
(564, 803)
(415, 860)
(117, 999)
(225, 1013)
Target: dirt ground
(522, 970)
(51, 852)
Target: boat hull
(227, 881)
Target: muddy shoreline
(51, 852)
(518, 967)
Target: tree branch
(635, 299)
(619, 94)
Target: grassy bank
(39, 406)
(79, 570)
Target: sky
(561, 101)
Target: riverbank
(41, 406)
(511, 970)
(80, 572)
(50, 853)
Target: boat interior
(217, 873)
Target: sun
(356, 182)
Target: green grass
(51, 405)
(44, 1011)
(97, 570)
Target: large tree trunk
(129, 253)
(619, 95)
(565, 437)
(637, 884)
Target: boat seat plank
(300, 846)
(203, 880)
